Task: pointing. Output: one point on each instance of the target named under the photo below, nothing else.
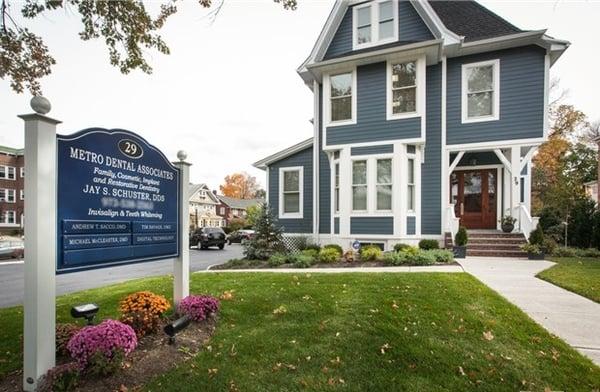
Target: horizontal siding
(521, 98)
(372, 225)
(336, 225)
(371, 123)
(302, 158)
(411, 225)
(411, 28)
(368, 150)
(324, 179)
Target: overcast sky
(229, 94)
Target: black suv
(204, 237)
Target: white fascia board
(263, 163)
(434, 23)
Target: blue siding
(477, 158)
(411, 28)
(367, 150)
(521, 98)
(372, 124)
(411, 225)
(411, 149)
(302, 158)
(431, 169)
(324, 179)
(372, 225)
(336, 225)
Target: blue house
(426, 117)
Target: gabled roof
(471, 20)
(194, 188)
(241, 204)
(263, 163)
(11, 150)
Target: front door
(474, 194)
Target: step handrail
(527, 223)
(452, 222)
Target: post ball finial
(181, 155)
(40, 105)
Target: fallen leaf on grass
(395, 305)
(280, 310)
(385, 347)
(212, 372)
(461, 371)
(487, 335)
(227, 295)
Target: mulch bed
(152, 357)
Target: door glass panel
(454, 193)
(491, 192)
(472, 192)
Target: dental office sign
(117, 201)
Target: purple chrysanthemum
(198, 307)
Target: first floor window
(384, 184)
(404, 88)
(336, 199)
(359, 185)
(341, 97)
(291, 191)
(9, 217)
(410, 185)
(7, 195)
(480, 90)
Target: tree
(253, 213)
(125, 26)
(240, 186)
(267, 239)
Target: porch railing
(452, 222)
(527, 223)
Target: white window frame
(327, 99)
(375, 41)
(411, 211)
(371, 160)
(7, 170)
(391, 183)
(420, 87)
(294, 215)
(22, 194)
(495, 116)
(22, 172)
(5, 217)
(353, 185)
(337, 175)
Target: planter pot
(535, 256)
(460, 252)
(508, 228)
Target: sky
(228, 94)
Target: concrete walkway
(571, 317)
(433, 268)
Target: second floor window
(7, 195)
(359, 185)
(7, 172)
(341, 97)
(481, 91)
(404, 88)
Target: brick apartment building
(11, 189)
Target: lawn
(579, 275)
(418, 332)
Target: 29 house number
(130, 148)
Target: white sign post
(40, 244)
(181, 265)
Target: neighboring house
(427, 114)
(233, 208)
(203, 207)
(12, 173)
(591, 189)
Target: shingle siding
(372, 124)
(372, 225)
(521, 98)
(431, 169)
(411, 28)
(302, 158)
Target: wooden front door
(474, 194)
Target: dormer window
(375, 23)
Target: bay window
(481, 91)
(374, 23)
(290, 192)
(359, 185)
(384, 185)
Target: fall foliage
(241, 186)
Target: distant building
(591, 189)
(233, 208)
(203, 207)
(12, 173)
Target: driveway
(573, 318)
(11, 274)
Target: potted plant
(507, 223)
(460, 243)
(535, 248)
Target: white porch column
(515, 183)
(345, 191)
(181, 265)
(40, 244)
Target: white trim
(22, 171)
(263, 163)
(494, 144)
(527, 158)
(495, 96)
(300, 213)
(455, 162)
(335, 147)
(374, 13)
(420, 86)
(316, 161)
(4, 217)
(267, 185)
(327, 100)
(546, 96)
(7, 170)
(444, 154)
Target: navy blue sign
(117, 201)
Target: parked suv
(240, 236)
(208, 236)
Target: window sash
(384, 189)
(410, 180)
(336, 199)
(291, 192)
(397, 108)
(342, 97)
(360, 189)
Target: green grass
(417, 332)
(579, 275)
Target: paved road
(11, 275)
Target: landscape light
(87, 311)
(175, 327)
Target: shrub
(548, 245)
(334, 246)
(329, 255)
(314, 253)
(429, 244)
(142, 311)
(589, 252)
(536, 237)
(563, 251)
(423, 257)
(370, 253)
(314, 247)
(395, 258)
(400, 247)
(268, 237)
(581, 223)
(531, 248)
(198, 307)
(277, 259)
(461, 238)
(441, 255)
(302, 242)
(108, 341)
(64, 333)
(303, 261)
(61, 378)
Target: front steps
(492, 243)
